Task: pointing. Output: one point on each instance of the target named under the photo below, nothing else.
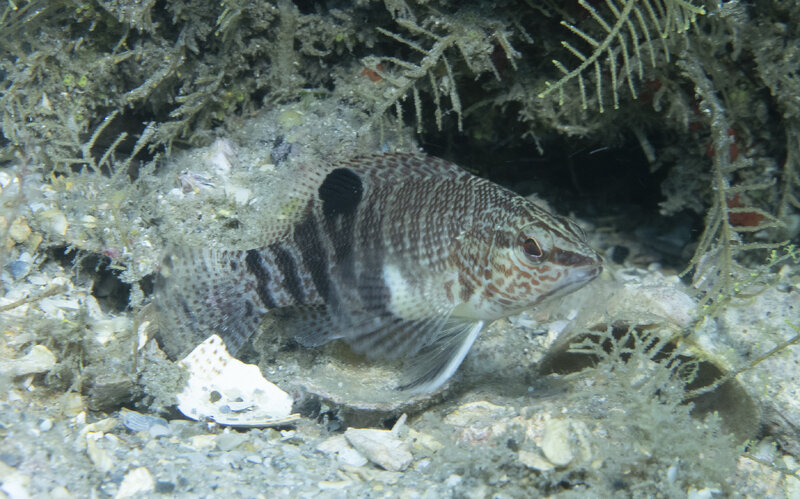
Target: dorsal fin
(315, 181)
(398, 166)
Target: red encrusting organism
(372, 74)
(744, 218)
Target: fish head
(529, 256)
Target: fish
(400, 255)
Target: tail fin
(200, 292)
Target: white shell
(228, 391)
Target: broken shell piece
(137, 422)
(535, 461)
(54, 221)
(193, 182)
(138, 481)
(344, 452)
(230, 392)
(102, 460)
(238, 194)
(381, 447)
(38, 360)
(222, 157)
(556, 443)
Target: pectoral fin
(436, 362)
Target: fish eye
(531, 247)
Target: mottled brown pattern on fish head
(516, 253)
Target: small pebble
(137, 481)
(159, 430)
(164, 487)
(19, 269)
(45, 424)
(230, 440)
(453, 480)
(19, 230)
(10, 459)
(556, 442)
(534, 460)
(60, 492)
(202, 442)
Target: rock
(45, 425)
(60, 492)
(38, 360)
(106, 330)
(137, 481)
(102, 426)
(453, 480)
(555, 444)
(111, 390)
(72, 404)
(705, 493)
(230, 392)
(791, 482)
(158, 430)
(381, 447)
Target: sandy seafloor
(516, 421)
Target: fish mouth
(576, 279)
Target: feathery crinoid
(623, 38)
(440, 40)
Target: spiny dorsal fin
(340, 180)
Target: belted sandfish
(399, 255)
